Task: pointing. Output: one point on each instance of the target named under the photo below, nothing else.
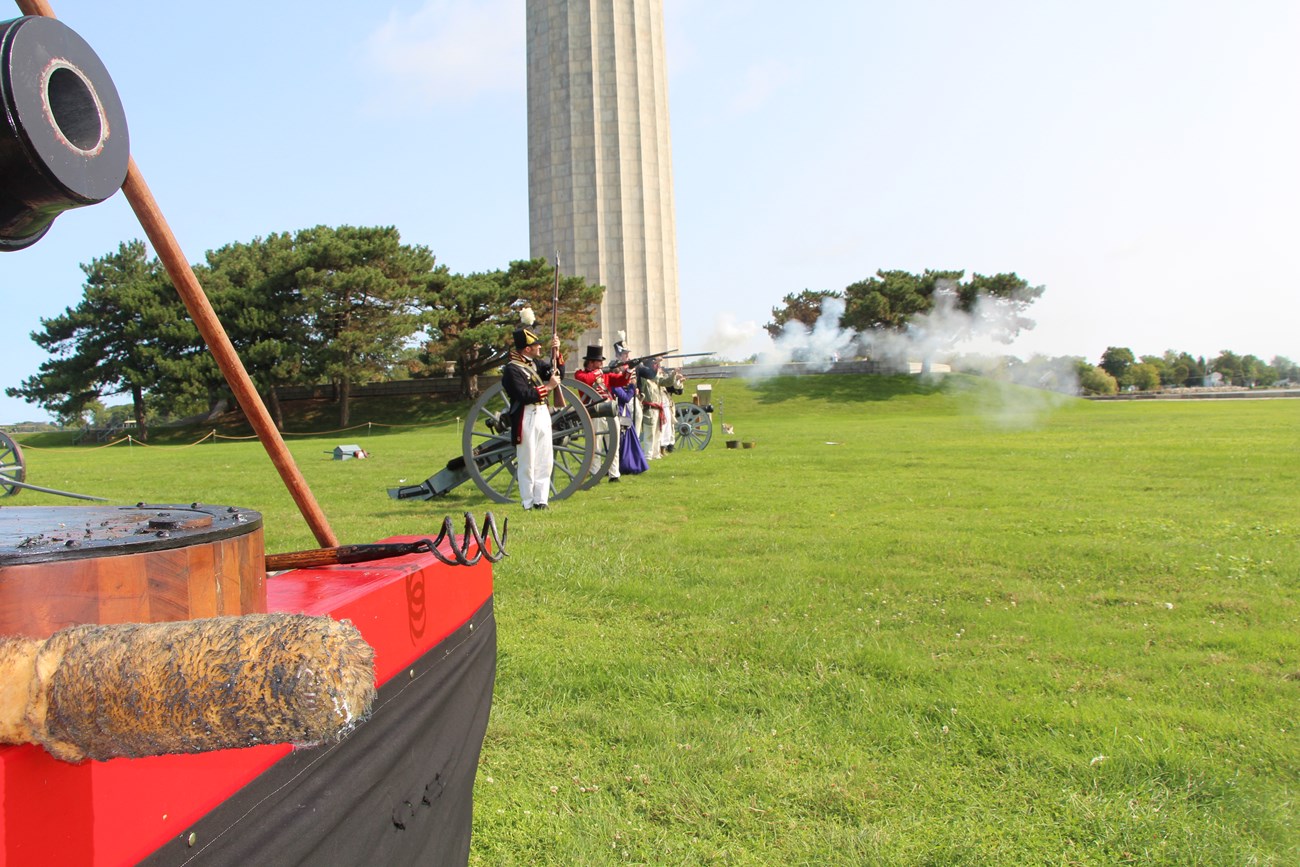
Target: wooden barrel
(65, 565)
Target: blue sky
(1137, 158)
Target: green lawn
(914, 625)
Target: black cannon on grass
(582, 453)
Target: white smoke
(940, 334)
(732, 339)
(1022, 392)
(945, 335)
(818, 347)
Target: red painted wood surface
(116, 812)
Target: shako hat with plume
(523, 336)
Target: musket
(634, 363)
(555, 330)
(667, 353)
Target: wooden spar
(196, 301)
(214, 334)
(342, 555)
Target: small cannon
(693, 421)
(694, 426)
(582, 454)
(13, 473)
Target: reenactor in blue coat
(528, 380)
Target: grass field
(917, 624)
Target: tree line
(1181, 370)
(340, 305)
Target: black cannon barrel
(63, 136)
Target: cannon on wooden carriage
(13, 473)
(694, 425)
(692, 421)
(582, 453)
(176, 641)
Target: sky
(1137, 158)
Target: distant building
(600, 180)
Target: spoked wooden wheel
(12, 468)
(605, 434)
(694, 427)
(489, 451)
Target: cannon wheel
(498, 479)
(694, 427)
(604, 441)
(12, 468)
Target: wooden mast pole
(214, 334)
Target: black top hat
(594, 353)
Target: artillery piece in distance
(582, 453)
(13, 473)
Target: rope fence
(215, 437)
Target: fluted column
(600, 179)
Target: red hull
(120, 811)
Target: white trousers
(535, 456)
(608, 429)
(650, 433)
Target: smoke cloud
(945, 337)
(940, 334)
(819, 347)
(733, 339)
(1022, 392)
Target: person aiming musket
(608, 429)
(634, 363)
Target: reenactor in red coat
(602, 382)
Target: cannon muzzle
(63, 138)
(602, 409)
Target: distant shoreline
(1202, 394)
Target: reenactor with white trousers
(652, 407)
(528, 380)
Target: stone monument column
(600, 179)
